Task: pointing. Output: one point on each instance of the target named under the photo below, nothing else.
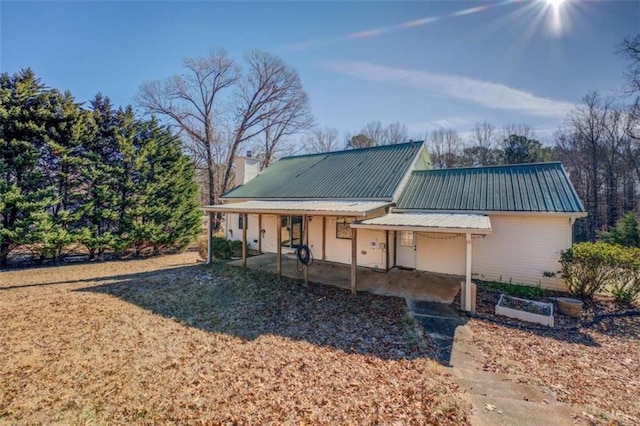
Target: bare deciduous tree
(268, 86)
(189, 102)
(321, 140)
(445, 148)
(385, 135)
(518, 129)
(269, 101)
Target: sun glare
(555, 3)
(556, 11)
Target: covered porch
(416, 285)
(442, 226)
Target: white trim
(358, 209)
(423, 229)
(405, 179)
(492, 212)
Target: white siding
(442, 253)
(235, 233)
(521, 249)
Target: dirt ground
(167, 340)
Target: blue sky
(424, 63)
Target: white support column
(467, 286)
(209, 237)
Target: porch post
(305, 241)
(279, 246)
(210, 237)
(467, 285)
(324, 237)
(260, 233)
(354, 260)
(386, 242)
(244, 240)
(395, 248)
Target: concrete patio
(416, 285)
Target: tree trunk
(4, 255)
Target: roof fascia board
(409, 171)
(362, 214)
(493, 212)
(345, 200)
(424, 229)
(566, 175)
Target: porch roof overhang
(429, 222)
(360, 209)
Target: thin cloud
(492, 95)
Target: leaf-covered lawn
(164, 340)
(598, 366)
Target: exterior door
(406, 247)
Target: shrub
(589, 268)
(225, 249)
(626, 287)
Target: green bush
(626, 287)
(589, 268)
(225, 249)
(626, 232)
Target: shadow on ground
(440, 322)
(247, 304)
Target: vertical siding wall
(521, 249)
(442, 253)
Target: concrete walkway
(417, 285)
(497, 399)
(503, 399)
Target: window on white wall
(406, 238)
(240, 219)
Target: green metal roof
(367, 173)
(540, 187)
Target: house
(382, 207)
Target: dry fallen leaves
(163, 340)
(597, 367)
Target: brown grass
(163, 340)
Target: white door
(406, 246)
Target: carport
(469, 225)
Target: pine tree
(26, 108)
(98, 212)
(168, 214)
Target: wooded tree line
(93, 176)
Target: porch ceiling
(429, 222)
(361, 209)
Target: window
(343, 228)
(406, 239)
(291, 231)
(240, 219)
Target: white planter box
(525, 315)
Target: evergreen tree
(626, 232)
(61, 163)
(98, 212)
(26, 109)
(167, 211)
